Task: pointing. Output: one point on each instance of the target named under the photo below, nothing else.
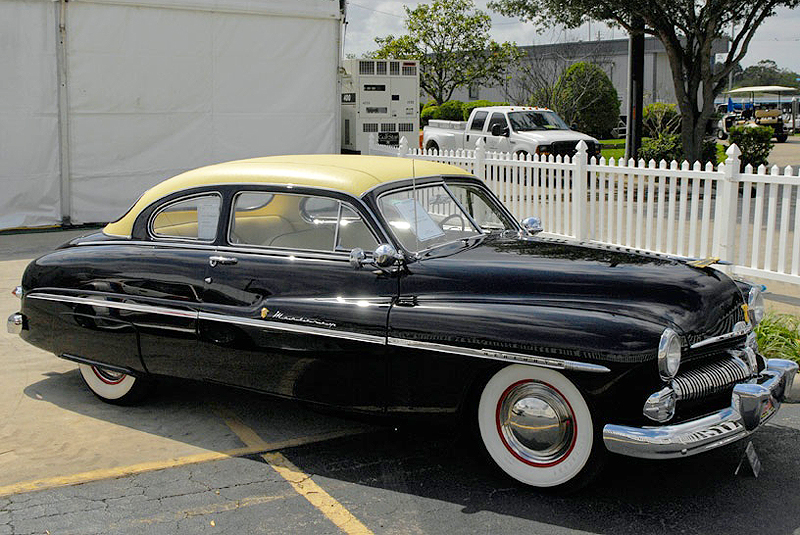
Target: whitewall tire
(112, 386)
(536, 426)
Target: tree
(450, 39)
(587, 98)
(687, 29)
(766, 72)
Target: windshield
(435, 214)
(522, 121)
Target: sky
(778, 37)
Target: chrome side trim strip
(737, 331)
(505, 356)
(292, 327)
(133, 307)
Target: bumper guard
(752, 403)
(15, 323)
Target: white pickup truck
(516, 129)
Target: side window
(291, 221)
(195, 218)
(478, 120)
(497, 118)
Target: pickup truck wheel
(537, 427)
(112, 386)
(432, 145)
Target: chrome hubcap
(536, 423)
(108, 376)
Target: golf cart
(749, 114)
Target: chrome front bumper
(15, 324)
(752, 404)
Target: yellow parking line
(300, 482)
(121, 471)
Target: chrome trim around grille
(752, 404)
(740, 329)
(493, 354)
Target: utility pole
(633, 132)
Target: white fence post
(726, 208)
(580, 208)
(480, 159)
(402, 150)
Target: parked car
(515, 129)
(405, 288)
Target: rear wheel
(432, 145)
(113, 386)
(537, 427)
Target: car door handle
(225, 260)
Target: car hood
(698, 302)
(549, 136)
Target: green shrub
(669, 147)
(428, 113)
(469, 106)
(660, 118)
(755, 142)
(778, 336)
(450, 111)
(664, 147)
(587, 98)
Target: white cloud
(776, 39)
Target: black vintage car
(401, 287)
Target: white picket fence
(749, 219)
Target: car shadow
(415, 466)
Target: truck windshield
(426, 216)
(522, 121)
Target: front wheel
(112, 386)
(537, 427)
(781, 138)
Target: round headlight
(669, 354)
(755, 305)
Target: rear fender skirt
(112, 367)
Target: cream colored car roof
(353, 174)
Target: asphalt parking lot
(209, 459)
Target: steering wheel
(444, 221)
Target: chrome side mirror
(385, 255)
(357, 257)
(533, 225)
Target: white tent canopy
(151, 88)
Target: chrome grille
(710, 378)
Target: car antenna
(414, 197)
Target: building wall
(611, 56)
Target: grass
(778, 336)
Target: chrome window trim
(150, 220)
(505, 356)
(282, 253)
(737, 331)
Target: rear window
(195, 218)
(479, 120)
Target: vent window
(394, 68)
(380, 67)
(406, 127)
(370, 127)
